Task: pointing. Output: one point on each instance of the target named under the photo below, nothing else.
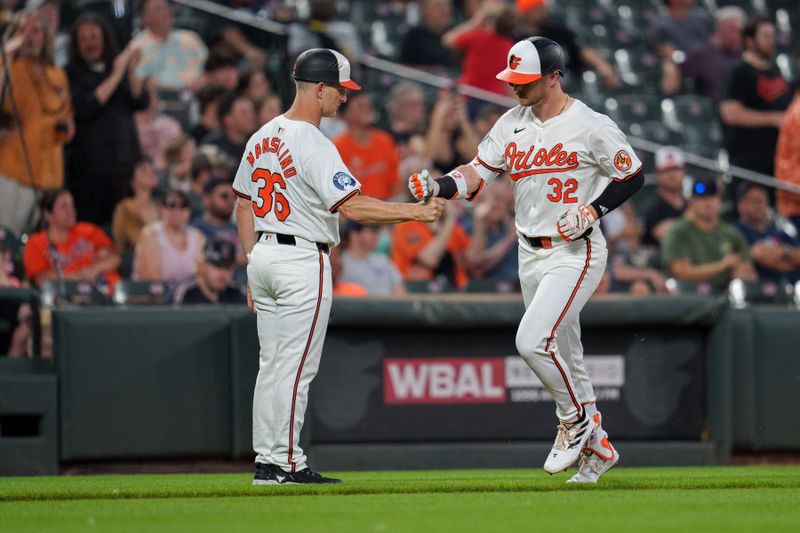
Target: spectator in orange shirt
(368, 152)
(787, 156)
(79, 250)
(423, 251)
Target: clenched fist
(422, 185)
(574, 222)
(431, 211)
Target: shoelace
(562, 437)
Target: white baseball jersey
(296, 180)
(555, 165)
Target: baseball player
(292, 186)
(568, 166)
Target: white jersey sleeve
(242, 183)
(612, 152)
(490, 160)
(331, 178)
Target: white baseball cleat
(592, 466)
(569, 443)
(598, 457)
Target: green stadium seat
(637, 67)
(634, 108)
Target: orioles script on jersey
(273, 145)
(521, 163)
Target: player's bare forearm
(245, 224)
(368, 210)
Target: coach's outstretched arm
(368, 210)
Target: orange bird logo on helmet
(513, 62)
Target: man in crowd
(669, 203)
(362, 265)
(775, 254)
(237, 121)
(368, 151)
(213, 283)
(216, 222)
(422, 46)
(173, 58)
(756, 96)
(709, 63)
(699, 247)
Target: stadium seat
(129, 292)
(741, 293)
(637, 67)
(68, 292)
(655, 131)
(634, 108)
(691, 287)
(690, 108)
(427, 286)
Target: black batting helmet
(532, 58)
(325, 65)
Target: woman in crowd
(168, 249)
(105, 94)
(135, 212)
(43, 110)
(156, 129)
(178, 156)
(69, 249)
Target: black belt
(291, 241)
(547, 242)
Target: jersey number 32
(270, 195)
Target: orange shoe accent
(597, 418)
(607, 445)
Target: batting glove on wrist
(574, 222)
(422, 185)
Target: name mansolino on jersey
(273, 145)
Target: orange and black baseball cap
(532, 58)
(325, 65)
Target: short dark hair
(751, 27)
(209, 94)
(49, 198)
(225, 105)
(219, 58)
(746, 186)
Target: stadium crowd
(117, 156)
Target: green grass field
(627, 499)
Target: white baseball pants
(556, 284)
(292, 293)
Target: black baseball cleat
(266, 474)
(308, 476)
(274, 475)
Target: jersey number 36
(270, 195)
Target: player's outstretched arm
(368, 210)
(461, 182)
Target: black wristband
(447, 187)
